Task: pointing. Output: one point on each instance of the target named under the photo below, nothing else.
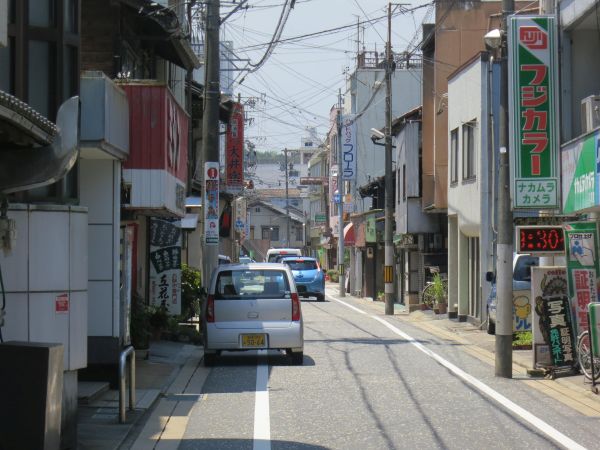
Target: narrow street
(374, 382)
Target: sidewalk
(572, 390)
(98, 412)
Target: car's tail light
(210, 309)
(295, 307)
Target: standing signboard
(234, 150)
(533, 93)
(348, 148)
(582, 269)
(547, 284)
(211, 203)
(165, 264)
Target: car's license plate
(253, 340)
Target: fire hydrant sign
(211, 203)
(533, 94)
(582, 269)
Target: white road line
(262, 419)
(535, 421)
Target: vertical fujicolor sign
(234, 150)
(582, 269)
(211, 203)
(348, 148)
(533, 85)
(165, 264)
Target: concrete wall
(465, 97)
(470, 200)
(49, 259)
(406, 95)
(100, 192)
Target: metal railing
(128, 352)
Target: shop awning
(349, 238)
(193, 202)
(189, 222)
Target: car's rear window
(245, 284)
(301, 265)
(282, 254)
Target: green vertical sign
(533, 85)
(579, 174)
(370, 230)
(581, 239)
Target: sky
(298, 84)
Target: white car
(252, 306)
(273, 253)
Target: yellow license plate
(253, 340)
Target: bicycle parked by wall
(435, 290)
(584, 356)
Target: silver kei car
(252, 306)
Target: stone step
(89, 391)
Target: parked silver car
(252, 306)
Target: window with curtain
(468, 150)
(454, 156)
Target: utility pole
(287, 198)
(210, 119)
(388, 269)
(340, 181)
(504, 246)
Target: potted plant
(159, 320)
(140, 323)
(191, 292)
(440, 294)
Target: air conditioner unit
(590, 113)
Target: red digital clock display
(541, 239)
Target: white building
(470, 187)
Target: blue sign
(336, 198)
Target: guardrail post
(128, 352)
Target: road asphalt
(170, 380)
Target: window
(7, 67)
(468, 150)
(398, 187)
(40, 78)
(299, 236)
(42, 13)
(250, 284)
(270, 233)
(454, 156)
(301, 264)
(404, 182)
